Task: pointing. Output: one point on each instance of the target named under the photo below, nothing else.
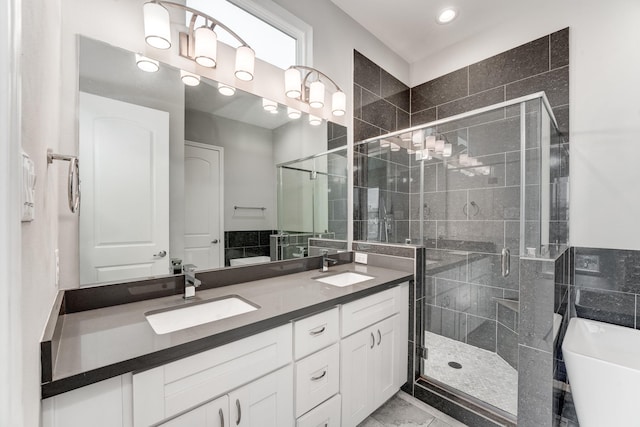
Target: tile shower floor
(483, 375)
(403, 410)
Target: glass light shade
(439, 146)
(314, 120)
(292, 83)
(447, 151)
(338, 103)
(430, 142)
(395, 147)
(157, 25)
(384, 143)
(293, 113)
(226, 90)
(418, 137)
(406, 137)
(205, 46)
(245, 63)
(189, 79)
(147, 64)
(316, 94)
(269, 105)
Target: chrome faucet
(326, 261)
(190, 281)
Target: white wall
(249, 178)
(605, 117)
(40, 130)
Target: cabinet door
(356, 369)
(385, 363)
(212, 414)
(265, 402)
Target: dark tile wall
(243, 244)
(337, 191)
(381, 105)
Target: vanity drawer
(325, 415)
(364, 312)
(317, 378)
(315, 332)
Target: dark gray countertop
(102, 343)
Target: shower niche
(479, 191)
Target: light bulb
(147, 64)
(226, 90)
(292, 83)
(245, 63)
(316, 94)
(206, 46)
(189, 79)
(157, 25)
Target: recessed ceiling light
(447, 15)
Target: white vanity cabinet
(373, 360)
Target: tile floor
(484, 375)
(403, 410)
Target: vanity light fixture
(226, 90)
(439, 146)
(314, 120)
(147, 64)
(198, 44)
(418, 137)
(448, 150)
(311, 88)
(293, 113)
(430, 143)
(446, 15)
(189, 79)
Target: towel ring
(73, 186)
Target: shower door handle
(506, 262)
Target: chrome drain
(455, 365)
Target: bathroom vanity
(312, 353)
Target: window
(277, 36)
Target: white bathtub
(603, 364)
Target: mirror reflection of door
(124, 215)
(203, 238)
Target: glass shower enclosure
(312, 202)
(478, 190)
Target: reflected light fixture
(147, 64)
(439, 146)
(448, 150)
(189, 79)
(385, 143)
(226, 90)
(311, 88)
(269, 105)
(292, 113)
(314, 120)
(430, 143)
(418, 137)
(198, 44)
(446, 15)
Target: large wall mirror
(175, 174)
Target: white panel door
(203, 238)
(265, 402)
(124, 216)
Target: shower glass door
(478, 198)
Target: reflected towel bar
(249, 207)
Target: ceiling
(410, 29)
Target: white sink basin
(344, 279)
(198, 313)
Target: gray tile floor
(484, 375)
(402, 410)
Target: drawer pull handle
(317, 331)
(373, 340)
(319, 377)
(239, 409)
(221, 414)
(379, 337)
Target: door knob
(161, 254)
(214, 241)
